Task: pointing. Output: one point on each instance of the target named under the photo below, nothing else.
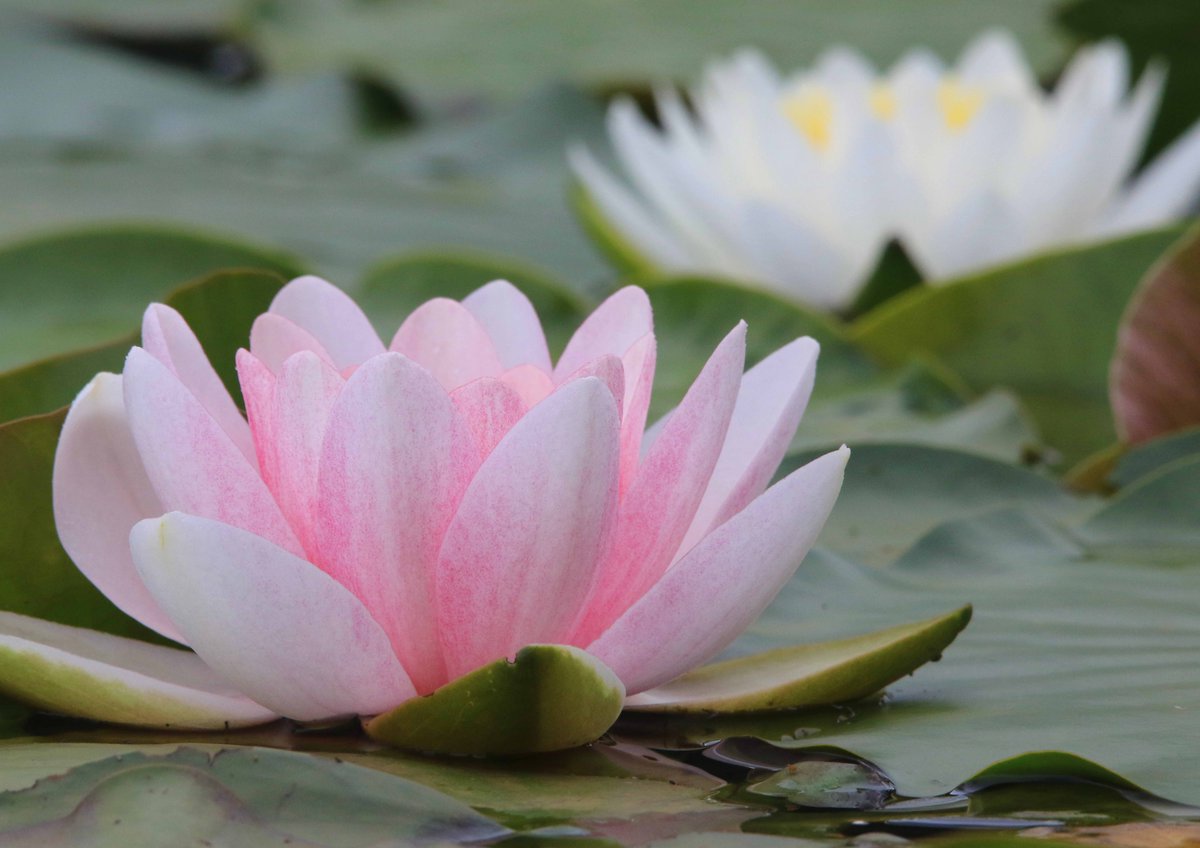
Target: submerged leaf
(1154, 383)
(825, 673)
(548, 698)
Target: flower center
(959, 103)
(882, 102)
(811, 110)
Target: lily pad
(439, 47)
(39, 579)
(814, 675)
(72, 289)
(1084, 637)
(238, 797)
(1154, 384)
(219, 308)
(549, 697)
(1020, 327)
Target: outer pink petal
(520, 555)
(771, 401)
(660, 504)
(512, 323)
(288, 415)
(331, 317)
(274, 625)
(100, 492)
(444, 337)
(613, 328)
(168, 338)
(639, 362)
(396, 459)
(274, 338)
(490, 408)
(715, 592)
(190, 460)
(530, 382)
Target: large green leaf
(1045, 327)
(236, 797)
(71, 289)
(220, 308)
(1154, 381)
(485, 179)
(1084, 638)
(38, 577)
(805, 676)
(549, 697)
(464, 46)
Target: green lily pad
(455, 47)
(38, 578)
(1150, 456)
(220, 308)
(800, 676)
(548, 698)
(71, 289)
(395, 287)
(1154, 381)
(1020, 327)
(237, 797)
(1084, 638)
(826, 784)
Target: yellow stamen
(882, 102)
(812, 113)
(959, 103)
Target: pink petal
(396, 459)
(613, 328)
(512, 323)
(190, 460)
(609, 370)
(530, 382)
(274, 625)
(168, 338)
(639, 362)
(331, 317)
(518, 559)
(100, 492)
(662, 500)
(771, 401)
(274, 338)
(490, 409)
(449, 341)
(288, 415)
(720, 587)
(83, 673)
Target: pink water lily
(386, 519)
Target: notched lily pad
(807, 675)
(237, 797)
(550, 697)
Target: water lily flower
(387, 519)
(797, 182)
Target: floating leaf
(71, 289)
(1154, 383)
(1084, 638)
(813, 675)
(827, 784)
(1021, 326)
(238, 797)
(548, 698)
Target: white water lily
(797, 183)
